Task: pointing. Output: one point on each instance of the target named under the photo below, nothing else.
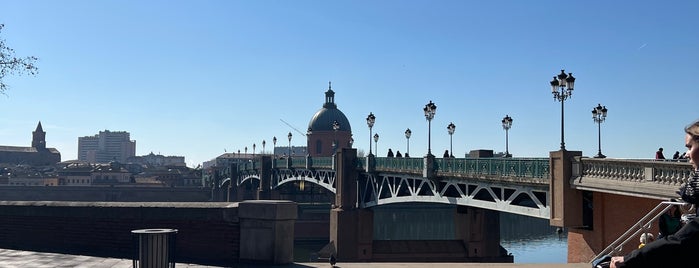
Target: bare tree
(10, 64)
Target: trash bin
(155, 248)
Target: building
(106, 146)
(36, 155)
(329, 128)
(157, 160)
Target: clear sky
(195, 78)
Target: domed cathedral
(329, 128)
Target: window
(587, 210)
(319, 147)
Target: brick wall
(208, 233)
(612, 216)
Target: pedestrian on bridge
(678, 249)
(659, 154)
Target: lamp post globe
(506, 125)
(376, 142)
(430, 110)
(289, 136)
(407, 138)
(599, 114)
(562, 89)
(336, 127)
(370, 120)
(451, 128)
(274, 144)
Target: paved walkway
(30, 259)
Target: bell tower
(39, 138)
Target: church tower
(39, 138)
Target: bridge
(571, 191)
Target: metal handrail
(635, 230)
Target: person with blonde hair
(678, 249)
(645, 239)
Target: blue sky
(195, 78)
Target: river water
(528, 239)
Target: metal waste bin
(155, 248)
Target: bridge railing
(399, 164)
(661, 172)
(505, 167)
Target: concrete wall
(106, 193)
(208, 233)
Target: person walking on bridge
(659, 154)
(678, 249)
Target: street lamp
(253, 150)
(376, 142)
(289, 136)
(430, 109)
(451, 127)
(370, 120)
(562, 88)
(274, 144)
(506, 125)
(263, 146)
(246, 152)
(407, 138)
(336, 127)
(599, 114)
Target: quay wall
(105, 193)
(209, 233)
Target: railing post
(648, 173)
(566, 202)
(370, 163)
(265, 190)
(429, 171)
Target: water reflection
(528, 239)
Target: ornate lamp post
(506, 125)
(336, 127)
(253, 150)
(274, 144)
(263, 146)
(451, 127)
(376, 142)
(246, 152)
(562, 88)
(370, 120)
(599, 114)
(430, 109)
(289, 136)
(407, 138)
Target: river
(528, 239)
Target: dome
(323, 119)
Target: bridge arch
(322, 178)
(387, 188)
